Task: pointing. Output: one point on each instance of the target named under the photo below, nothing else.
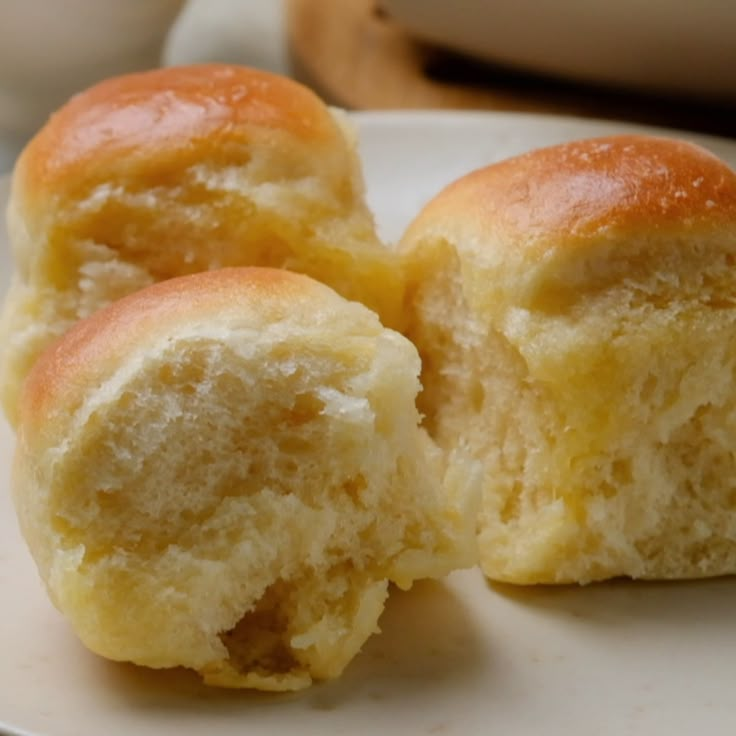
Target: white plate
(459, 657)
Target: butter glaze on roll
(165, 173)
(224, 471)
(575, 310)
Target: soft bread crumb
(225, 472)
(590, 369)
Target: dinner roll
(575, 310)
(174, 171)
(225, 470)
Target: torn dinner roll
(225, 472)
(575, 311)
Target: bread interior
(601, 404)
(245, 502)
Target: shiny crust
(156, 115)
(564, 195)
(252, 296)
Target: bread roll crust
(164, 118)
(566, 195)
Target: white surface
(454, 658)
(674, 45)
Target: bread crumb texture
(589, 367)
(225, 472)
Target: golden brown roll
(224, 471)
(169, 172)
(575, 310)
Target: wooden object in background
(355, 56)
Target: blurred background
(664, 62)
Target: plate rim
(412, 119)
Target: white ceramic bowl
(51, 49)
(676, 46)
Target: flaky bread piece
(225, 471)
(575, 310)
(160, 174)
